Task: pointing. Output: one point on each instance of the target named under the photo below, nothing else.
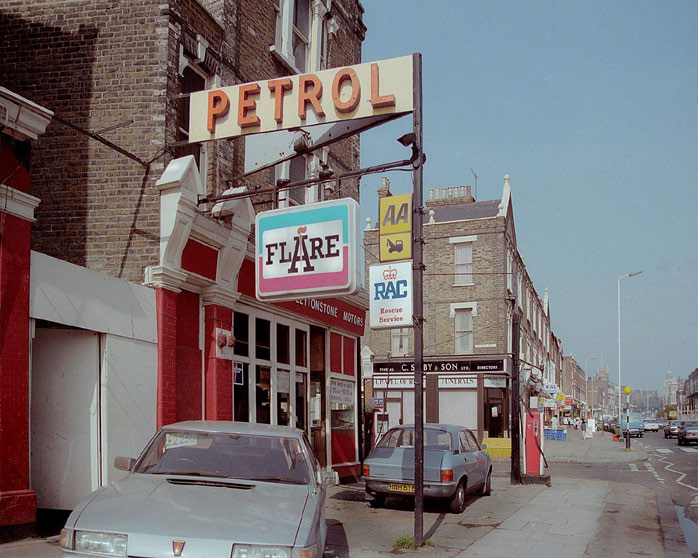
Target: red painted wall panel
(166, 308)
(348, 355)
(200, 259)
(335, 353)
(17, 501)
(188, 372)
(219, 379)
(343, 447)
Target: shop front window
(301, 347)
(263, 339)
(342, 421)
(263, 394)
(283, 339)
(241, 330)
(283, 397)
(241, 398)
(301, 401)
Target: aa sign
(395, 228)
(351, 92)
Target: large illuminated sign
(351, 92)
(307, 251)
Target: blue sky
(591, 108)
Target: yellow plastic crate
(497, 447)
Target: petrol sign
(353, 92)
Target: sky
(592, 109)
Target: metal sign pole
(417, 270)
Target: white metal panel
(458, 407)
(64, 417)
(68, 294)
(393, 408)
(128, 400)
(408, 406)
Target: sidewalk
(599, 449)
(572, 518)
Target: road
(668, 466)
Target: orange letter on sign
(340, 77)
(378, 101)
(277, 87)
(218, 105)
(245, 105)
(311, 95)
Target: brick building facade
(574, 385)
(474, 280)
(137, 290)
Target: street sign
(307, 251)
(395, 228)
(391, 295)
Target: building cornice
(17, 203)
(20, 118)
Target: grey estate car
(454, 464)
(203, 489)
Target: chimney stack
(469, 194)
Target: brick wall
(99, 63)
(94, 64)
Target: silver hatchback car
(454, 464)
(203, 489)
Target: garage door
(64, 416)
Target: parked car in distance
(204, 488)
(633, 423)
(651, 425)
(687, 432)
(610, 425)
(454, 464)
(671, 430)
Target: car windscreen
(691, 424)
(434, 439)
(234, 456)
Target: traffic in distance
(685, 431)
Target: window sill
(464, 284)
(285, 58)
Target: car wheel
(487, 487)
(378, 501)
(457, 502)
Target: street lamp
(633, 274)
(589, 397)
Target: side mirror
(124, 463)
(328, 478)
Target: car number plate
(400, 487)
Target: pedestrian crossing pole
(627, 391)
(515, 402)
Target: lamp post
(633, 274)
(589, 397)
